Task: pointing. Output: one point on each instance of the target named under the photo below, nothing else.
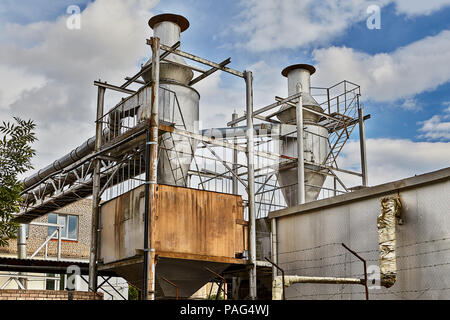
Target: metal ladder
(168, 144)
(341, 131)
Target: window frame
(66, 226)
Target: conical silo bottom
(288, 180)
(188, 275)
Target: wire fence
(422, 271)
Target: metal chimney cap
(308, 67)
(175, 18)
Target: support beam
(274, 238)
(113, 87)
(362, 145)
(95, 194)
(225, 164)
(199, 60)
(235, 159)
(264, 109)
(147, 68)
(209, 72)
(300, 149)
(151, 178)
(251, 187)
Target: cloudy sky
(47, 70)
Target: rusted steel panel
(188, 222)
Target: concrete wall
(310, 237)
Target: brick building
(75, 243)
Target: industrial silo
(315, 138)
(178, 102)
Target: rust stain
(187, 222)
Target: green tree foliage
(133, 293)
(15, 159)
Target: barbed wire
(355, 260)
(396, 293)
(364, 251)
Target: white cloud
(420, 7)
(17, 81)
(48, 70)
(394, 159)
(218, 101)
(437, 127)
(269, 25)
(418, 67)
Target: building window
(55, 282)
(69, 222)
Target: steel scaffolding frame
(126, 153)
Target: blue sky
(403, 67)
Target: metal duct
(173, 77)
(315, 137)
(73, 156)
(386, 221)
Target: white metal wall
(310, 244)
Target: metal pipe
(251, 185)
(274, 247)
(279, 284)
(59, 244)
(235, 159)
(300, 148)
(95, 194)
(362, 146)
(146, 217)
(22, 243)
(22, 248)
(365, 268)
(151, 178)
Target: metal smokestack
(174, 76)
(299, 73)
(168, 28)
(315, 137)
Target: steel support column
(151, 179)
(22, 250)
(362, 145)
(235, 159)
(251, 186)
(300, 149)
(274, 247)
(95, 194)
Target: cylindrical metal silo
(315, 137)
(178, 102)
